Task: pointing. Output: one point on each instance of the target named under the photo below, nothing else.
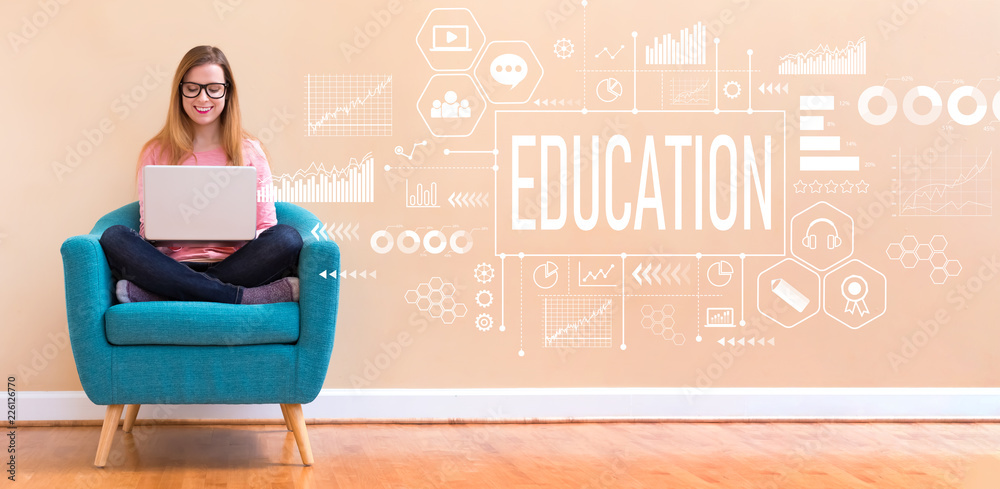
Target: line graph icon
(689, 91)
(577, 322)
(595, 278)
(348, 105)
(609, 53)
(353, 183)
(956, 185)
(823, 60)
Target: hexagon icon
(854, 294)
(450, 39)
(509, 72)
(822, 236)
(788, 293)
(451, 105)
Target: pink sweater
(252, 155)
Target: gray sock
(129, 292)
(284, 290)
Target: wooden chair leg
(131, 411)
(298, 423)
(111, 418)
(284, 414)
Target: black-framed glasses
(213, 90)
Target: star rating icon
(831, 187)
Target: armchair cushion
(202, 324)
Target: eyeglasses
(213, 90)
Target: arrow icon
(635, 274)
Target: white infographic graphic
(669, 185)
(577, 322)
(353, 183)
(955, 185)
(348, 105)
(822, 60)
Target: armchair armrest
(318, 300)
(89, 289)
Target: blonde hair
(175, 139)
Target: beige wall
(83, 67)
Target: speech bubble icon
(508, 69)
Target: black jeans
(271, 256)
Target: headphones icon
(832, 240)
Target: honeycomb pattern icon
(910, 252)
(661, 322)
(436, 297)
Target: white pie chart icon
(609, 89)
(546, 275)
(720, 273)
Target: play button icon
(451, 38)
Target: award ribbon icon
(854, 289)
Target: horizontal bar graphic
(811, 122)
(819, 143)
(829, 163)
(816, 102)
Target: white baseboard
(568, 403)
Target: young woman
(204, 127)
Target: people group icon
(451, 108)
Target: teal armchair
(177, 352)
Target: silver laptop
(200, 204)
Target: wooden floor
(511, 456)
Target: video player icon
(450, 38)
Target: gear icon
(484, 298)
(484, 273)
(484, 322)
(563, 48)
(732, 83)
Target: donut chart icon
(720, 273)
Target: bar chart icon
(353, 184)
(825, 61)
(686, 49)
(719, 317)
(811, 142)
